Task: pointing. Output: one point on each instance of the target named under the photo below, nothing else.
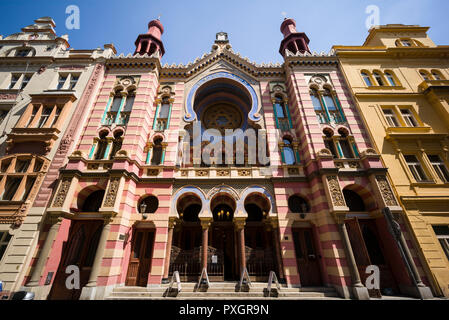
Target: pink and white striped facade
(315, 174)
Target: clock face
(222, 116)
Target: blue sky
(252, 25)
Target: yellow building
(398, 78)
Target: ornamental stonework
(386, 192)
(335, 191)
(62, 192)
(112, 192)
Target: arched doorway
(185, 254)
(368, 247)
(79, 250)
(259, 251)
(222, 255)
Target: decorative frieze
(386, 192)
(111, 195)
(62, 192)
(335, 191)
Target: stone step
(212, 295)
(221, 298)
(219, 291)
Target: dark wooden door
(306, 257)
(361, 255)
(79, 250)
(140, 260)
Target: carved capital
(205, 223)
(239, 223)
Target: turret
(151, 42)
(293, 40)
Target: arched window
(345, 145)
(289, 155)
(126, 112)
(314, 96)
(353, 201)
(101, 146)
(115, 106)
(297, 204)
(157, 152)
(162, 117)
(367, 79)
(437, 75)
(117, 144)
(152, 48)
(280, 110)
(378, 78)
(317, 106)
(390, 78)
(329, 100)
(425, 75)
(143, 47)
(331, 106)
(281, 113)
(329, 143)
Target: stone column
(205, 223)
(99, 254)
(359, 290)
(171, 225)
(43, 256)
(239, 224)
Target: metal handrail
(244, 271)
(203, 275)
(272, 277)
(177, 279)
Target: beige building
(41, 81)
(399, 80)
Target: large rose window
(222, 116)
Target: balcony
(112, 115)
(110, 118)
(433, 84)
(334, 117)
(161, 124)
(284, 124)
